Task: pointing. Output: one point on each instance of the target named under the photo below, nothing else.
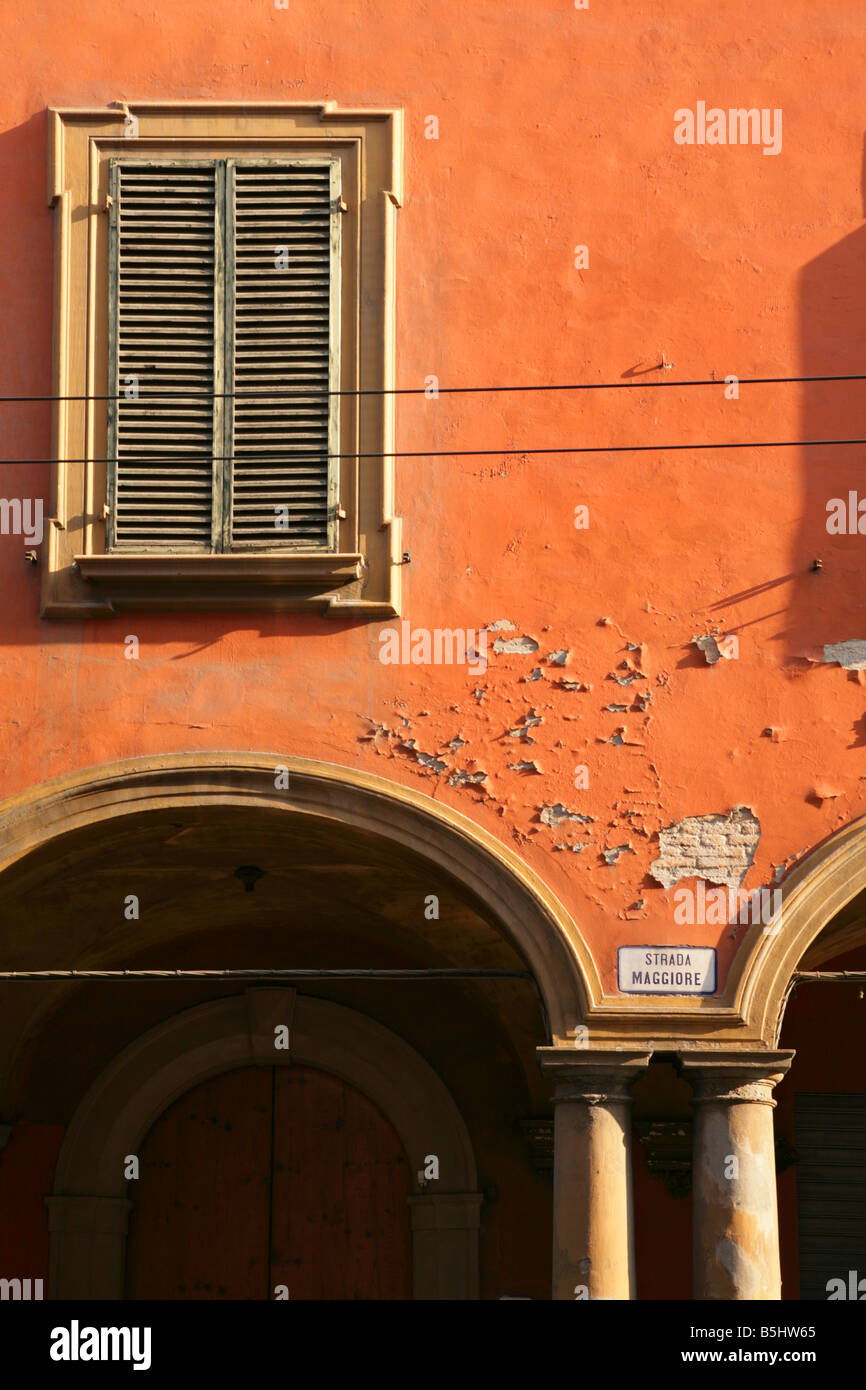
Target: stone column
(736, 1224)
(593, 1225)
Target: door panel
(830, 1137)
(341, 1183)
(267, 1176)
(199, 1226)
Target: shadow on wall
(832, 341)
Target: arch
(89, 1210)
(529, 914)
(818, 888)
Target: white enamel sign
(667, 969)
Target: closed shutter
(284, 238)
(830, 1138)
(224, 355)
(161, 345)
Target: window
(224, 335)
(223, 352)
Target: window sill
(123, 581)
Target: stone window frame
(363, 576)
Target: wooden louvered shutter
(224, 311)
(283, 284)
(166, 262)
(830, 1138)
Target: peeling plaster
(630, 678)
(718, 848)
(710, 648)
(554, 815)
(462, 778)
(522, 731)
(851, 654)
(520, 646)
(551, 761)
(425, 759)
(376, 730)
(824, 791)
(612, 853)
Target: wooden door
(271, 1176)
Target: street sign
(667, 969)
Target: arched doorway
(820, 1116)
(527, 914)
(350, 865)
(392, 1102)
(271, 1182)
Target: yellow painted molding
(369, 144)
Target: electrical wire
(432, 393)
(462, 453)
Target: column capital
(733, 1077)
(593, 1076)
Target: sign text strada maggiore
(667, 969)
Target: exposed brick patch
(719, 849)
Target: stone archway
(524, 908)
(89, 1209)
(819, 888)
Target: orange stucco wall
(556, 130)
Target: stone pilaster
(445, 1230)
(88, 1240)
